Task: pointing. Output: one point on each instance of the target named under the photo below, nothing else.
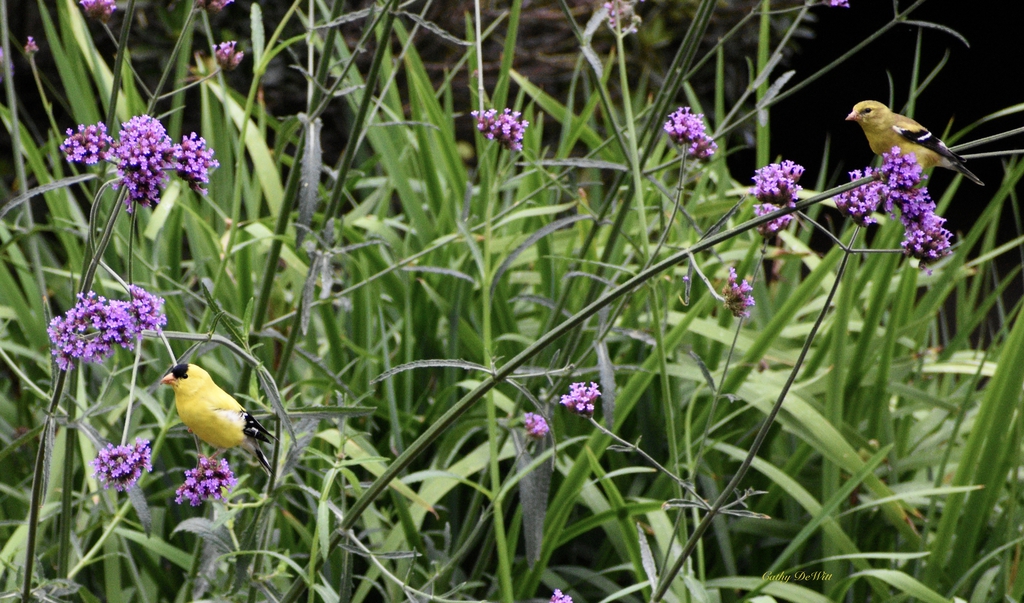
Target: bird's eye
(185, 376)
(866, 111)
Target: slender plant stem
(668, 577)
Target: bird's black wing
(254, 429)
(929, 141)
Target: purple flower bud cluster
(558, 597)
(99, 9)
(88, 146)
(925, 238)
(580, 398)
(536, 426)
(862, 201)
(122, 466)
(737, 295)
(208, 480)
(838, 3)
(226, 55)
(687, 130)
(213, 6)
(622, 14)
(775, 186)
(31, 47)
(143, 155)
(90, 329)
(506, 128)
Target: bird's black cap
(180, 371)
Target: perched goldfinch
(886, 130)
(212, 414)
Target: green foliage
(391, 312)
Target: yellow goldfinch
(886, 130)
(212, 414)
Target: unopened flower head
(88, 146)
(31, 47)
(687, 130)
(558, 597)
(622, 15)
(209, 480)
(213, 6)
(775, 186)
(580, 398)
(226, 55)
(737, 295)
(194, 161)
(122, 466)
(506, 128)
(99, 9)
(90, 329)
(862, 201)
(536, 426)
(143, 154)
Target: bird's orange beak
(168, 379)
(853, 116)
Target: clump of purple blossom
(558, 597)
(90, 329)
(31, 47)
(838, 3)
(506, 128)
(89, 145)
(213, 6)
(862, 201)
(226, 55)
(143, 154)
(208, 480)
(775, 186)
(687, 130)
(536, 426)
(122, 466)
(737, 295)
(580, 398)
(897, 188)
(99, 9)
(194, 161)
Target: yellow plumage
(212, 414)
(885, 129)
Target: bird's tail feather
(967, 173)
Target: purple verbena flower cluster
(862, 201)
(737, 295)
(536, 426)
(89, 145)
(838, 3)
(687, 130)
(208, 480)
(31, 47)
(226, 55)
(143, 155)
(775, 186)
(194, 161)
(99, 9)
(213, 6)
(122, 466)
(91, 328)
(580, 398)
(622, 14)
(896, 187)
(506, 128)
(558, 597)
